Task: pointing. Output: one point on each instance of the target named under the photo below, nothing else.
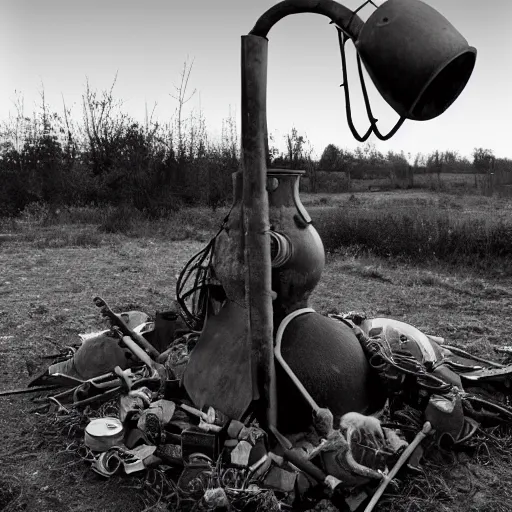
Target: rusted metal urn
(297, 252)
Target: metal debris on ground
(137, 419)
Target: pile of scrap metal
(455, 391)
(431, 390)
(158, 425)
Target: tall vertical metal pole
(255, 209)
(256, 223)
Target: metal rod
(256, 221)
(138, 351)
(277, 352)
(117, 321)
(459, 352)
(28, 390)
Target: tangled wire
(192, 286)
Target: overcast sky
(59, 43)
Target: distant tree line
(109, 158)
(367, 163)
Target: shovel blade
(218, 373)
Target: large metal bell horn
(416, 58)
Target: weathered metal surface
(256, 221)
(296, 278)
(218, 373)
(416, 58)
(228, 258)
(327, 358)
(337, 13)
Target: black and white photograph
(255, 256)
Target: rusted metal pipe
(255, 213)
(347, 20)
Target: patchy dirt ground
(46, 300)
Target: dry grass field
(50, 272)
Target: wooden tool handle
(305, 465)
(139, 352)
(119, 322)
(425, 431)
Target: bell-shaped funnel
(416, 58)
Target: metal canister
(103, 433)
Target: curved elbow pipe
(346, 19)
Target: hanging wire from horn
(342, 38)
(373, 129)
(372, 119)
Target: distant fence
(495, 182)
(498, 181)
